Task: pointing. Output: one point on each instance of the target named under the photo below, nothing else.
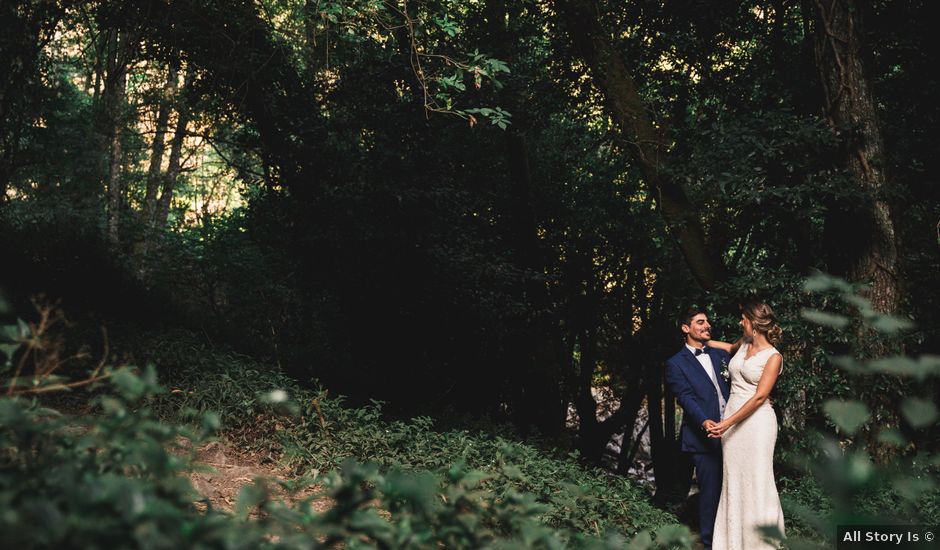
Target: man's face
(698, 329)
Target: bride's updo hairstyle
(763, 320)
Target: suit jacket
(696, 394)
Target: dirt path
(232, 470)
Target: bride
(748, 432)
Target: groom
(694, 377)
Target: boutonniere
(724, 370)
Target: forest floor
(222, 471)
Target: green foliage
(113, 479)
(397, 254)
(328, 433)
(116, 478)
(850, 484)
(847, 415)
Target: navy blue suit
(698, 398)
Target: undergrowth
(116, 476)
(325, 433)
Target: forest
(426, 258)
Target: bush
(326, 433)
(116, 478)
(846, 484)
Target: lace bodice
(745, 373)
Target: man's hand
(708, 425)
(717, 430)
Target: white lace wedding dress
(749, 498)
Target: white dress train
(749, 498)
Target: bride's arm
(725, 346)
(766, 383)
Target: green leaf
(820, 282)
(911, 487)
(8, 350)
(129, 385)
(369, 521)
(669, 535)
(210, 422)
(249, 497)
(918, 412)
(920, 368)
(513, 472)
(824, 318)
(473, 478)
(892, 436)
(849, 364)
(859, 468)
(9, 334)
(849, 416)
(890, 324)
(642, 541)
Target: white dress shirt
(706, 363)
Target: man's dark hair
(686, 317)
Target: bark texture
(114, 119)
(158, 148)
(861, 238)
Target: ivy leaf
(849, 364)
(849, 416)
(820, 282)
(919, 413)
(825, 318)
(920, 368)
(890, 324)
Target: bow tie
(701, 351)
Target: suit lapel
(692, 364)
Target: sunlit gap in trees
(209, 185)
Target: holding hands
(716, 429)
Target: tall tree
(26, 28)
(860, 235)
(646, 139)
(119, 48)
(536, 373)
(158, 148)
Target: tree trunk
(114, 94)
(588, 433)
(672, 467)
(537, 370)
(174, 166)
(860, 238)
(658, 449)
(645, 139)
(159, 143)
(630, 404)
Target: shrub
(116, 478)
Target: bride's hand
(717, 430)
